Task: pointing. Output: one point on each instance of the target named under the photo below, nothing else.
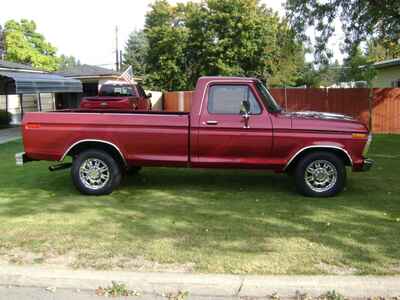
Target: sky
(86, 28)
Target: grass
(203, 221)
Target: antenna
(116, 49)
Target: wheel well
(108, 148)
(337, 151)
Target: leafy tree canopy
(135, 52)
(24, 45)
(219, 37)
(361, 20)
(1, 42)
(67, 62)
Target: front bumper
(21, 159)
(367, 165)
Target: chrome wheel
(94, 173)
(321, 175)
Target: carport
(33, 84)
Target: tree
(135, 52)
(331, 74)
(67, 62)
(167, 38)
(309, 76)
(361, 20)
(1, 42)
(24, 45)
(219, 37)
(378, 50)
(358, 67)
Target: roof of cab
(227, 78)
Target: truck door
(225, 139)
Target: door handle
(212, 122)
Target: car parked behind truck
(233, 123)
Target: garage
(24, 89)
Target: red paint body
(186, 140)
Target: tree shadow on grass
(221, 212)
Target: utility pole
(116, 49)
(120, 60)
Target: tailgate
(109, 103)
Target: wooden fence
(354, 102)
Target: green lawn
(203, 221)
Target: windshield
(267, 98)
(116, 90)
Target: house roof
(387, 63)
(15, 82)
(16, 66)
(88, 71)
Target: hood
(320, 115)
(321, 121)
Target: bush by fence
(353, 102)
(5, 118)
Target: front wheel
(95, 172)
(320, 174)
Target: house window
(396, 83)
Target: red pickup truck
(121, 96)
(233, 123)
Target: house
(387, 74)
(26, 89)
(91, 77)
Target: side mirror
(245, 108)
(149, 95)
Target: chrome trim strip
(318, 146)
(96, 141)
(19, 158)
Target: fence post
(181, 101)
(285, 98)
(39, 104)
(370, 100)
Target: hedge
(5, 118)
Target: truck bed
(161, 136)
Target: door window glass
(227, 99)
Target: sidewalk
(10, 134)
(203, 285)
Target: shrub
(5, 118)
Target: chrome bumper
(21, 158)
(368, 164)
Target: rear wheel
(320, 174)
(95, 172)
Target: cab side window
(227, 99)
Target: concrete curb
(5, 141)
(203, 285)
(10, 134)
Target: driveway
(10, 134)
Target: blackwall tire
(95, 172)
(320, 174)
